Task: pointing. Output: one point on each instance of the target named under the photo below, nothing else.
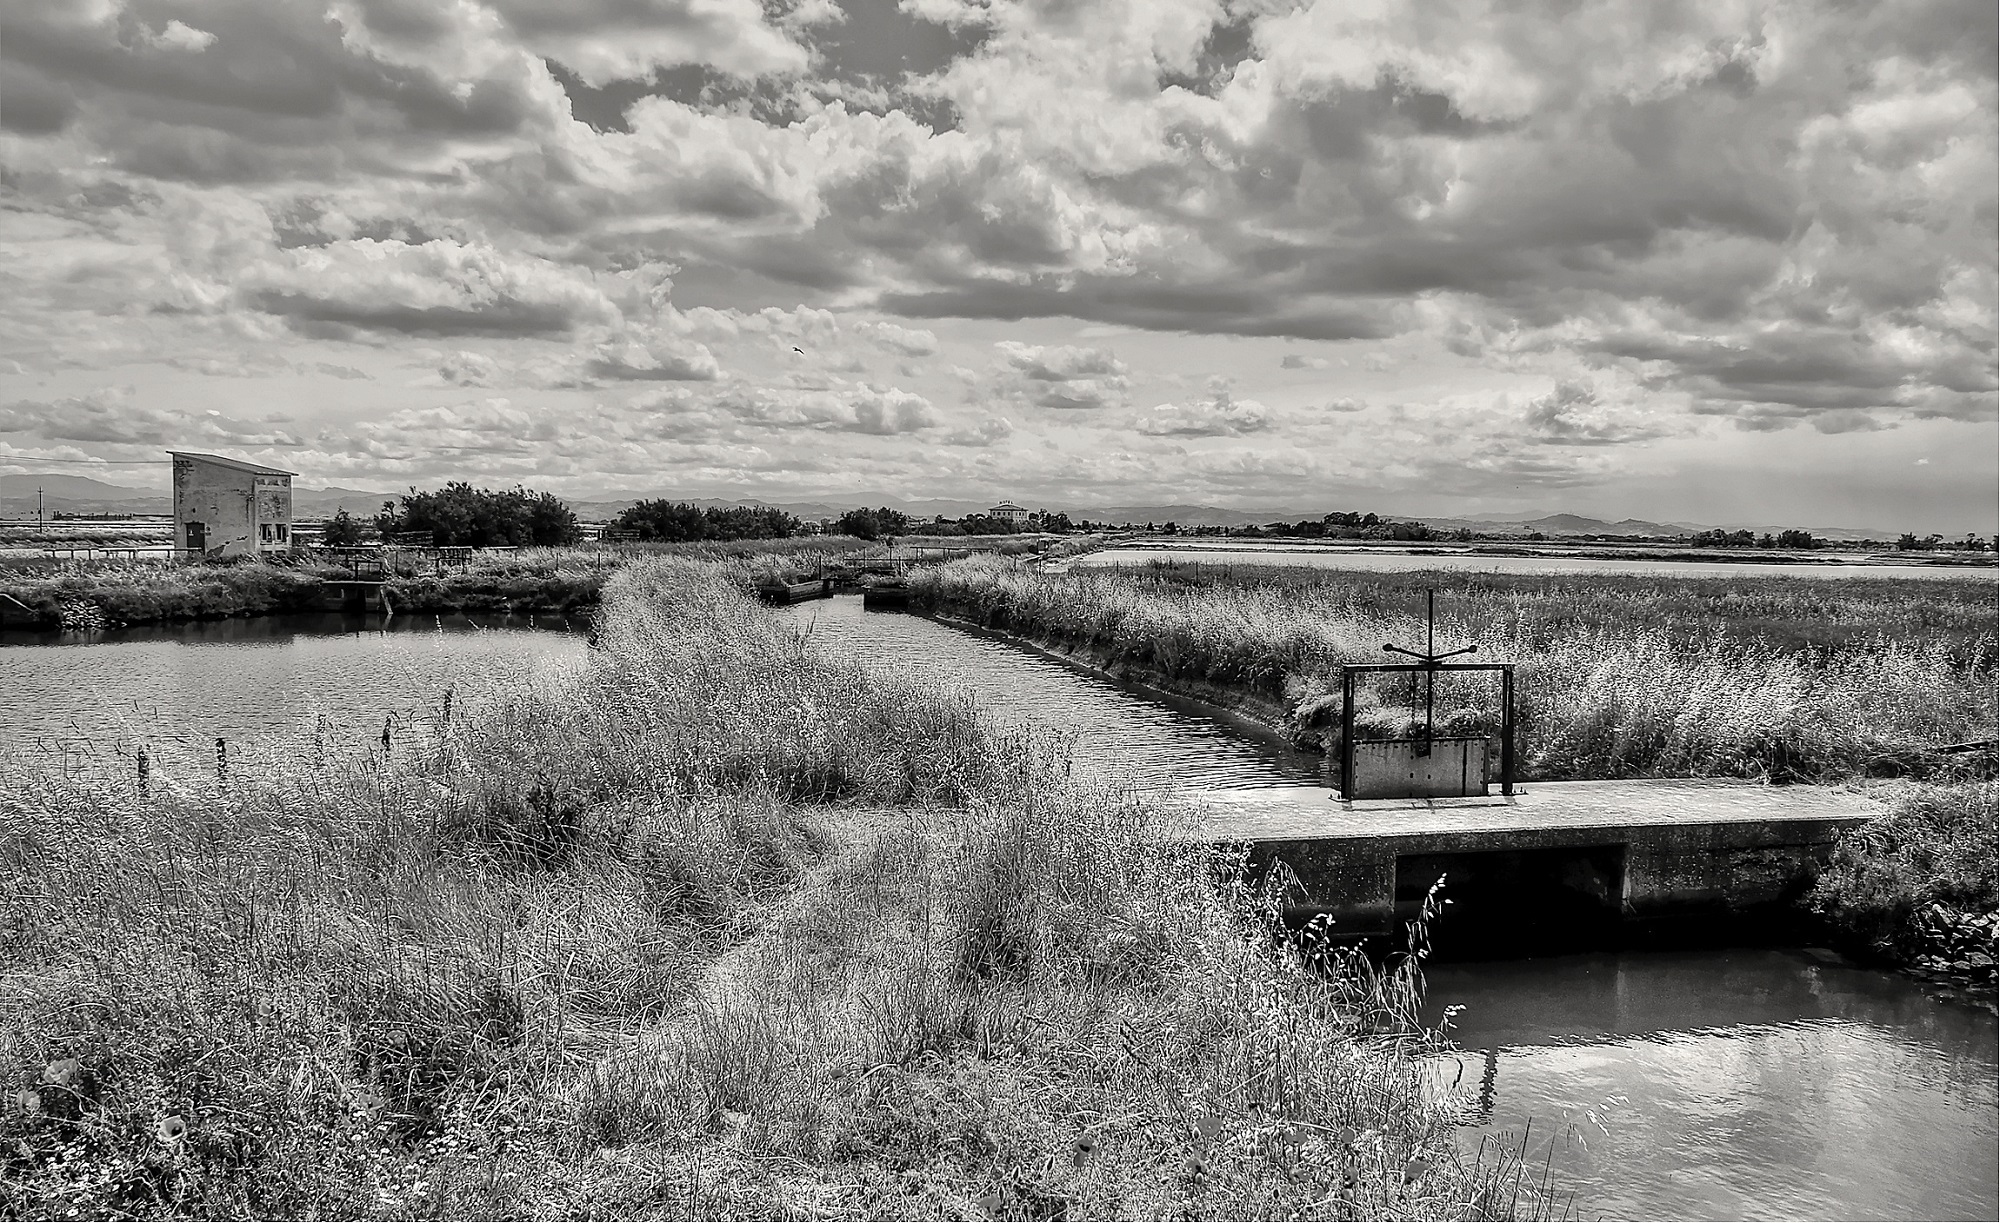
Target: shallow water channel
(1720, 1084)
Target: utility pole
(41, 527)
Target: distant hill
(1562, 524)
(68, 494)
(73, 487)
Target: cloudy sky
(1709, 261)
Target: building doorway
(197, 537)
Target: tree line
(459, 515)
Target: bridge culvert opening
(1507, 902)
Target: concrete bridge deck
(1312, 813)
(1632, 850)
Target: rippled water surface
(1731, 1084)
(247, 681)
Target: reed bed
(1833, 681)
(714, 927)
(1640, 678)
(98, 594)
(107, 593)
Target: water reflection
(1736, 1084)
(256, 681)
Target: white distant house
(1009, 511)
(227, 507)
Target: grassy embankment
(1800, 679)
(538, 581)
(715, 928)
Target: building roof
(256, 469)
(1008, 505)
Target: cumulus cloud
(434, 288)
(1574, 414)
(1062, 376)
(468, 369)
(906, 341)
(1218, 415)
(1293, 360)
(887, 410)
(883, 411)
(987, 431)
(655, 362)
(607, 40)
(116, 416)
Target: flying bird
(798, 350)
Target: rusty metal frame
(1350, 670)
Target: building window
(284, 532)
(264, 532)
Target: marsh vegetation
(716, 928)
(1848, 681)
(88, 594)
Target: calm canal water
(1718, 1084)
(1122, 733)
(255, 682)
(1739, 1084)
(1376, 560)
(1699, 1085)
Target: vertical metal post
(1346, 733)
(145, 773)
(1430, 673)
(1507, 730)
(222, 759)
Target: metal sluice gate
(1424, 766)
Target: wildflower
(1084, 1146)
(29, 1099)
(171, 1130)
(66, 1073)
(1415, 1168)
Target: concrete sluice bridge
(1562, 862)
(1553, 855)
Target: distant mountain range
(82, 495)
(73, 494)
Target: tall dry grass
(100, 593)
(1043, 1007)
(1633, 679)
(96, 594)
(715, 927)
